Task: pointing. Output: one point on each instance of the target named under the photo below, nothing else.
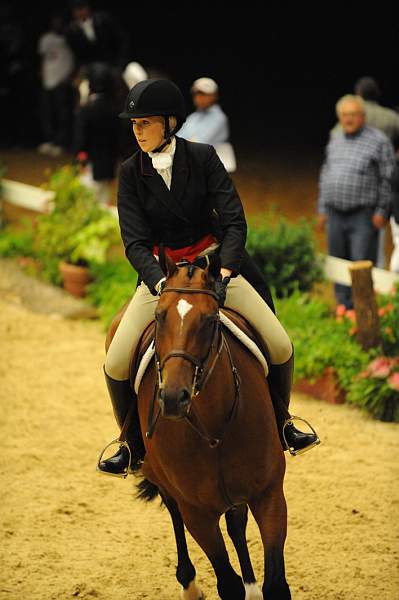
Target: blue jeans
(351, 235)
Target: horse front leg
(204, 527)
(270, 513)
(185, 571)
(236, 521)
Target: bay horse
(211, 439)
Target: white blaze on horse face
(183, 307)
(252, 592)
(192, 592)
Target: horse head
(187, 327)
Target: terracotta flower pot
(324, 388)
(75, 278)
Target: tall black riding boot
(280, 383)
(131, 449)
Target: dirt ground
(68, 532)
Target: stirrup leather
(303, 450)
(126, 471)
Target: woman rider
(178, 193)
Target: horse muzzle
(174, 403)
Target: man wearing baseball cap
(209, 124)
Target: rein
(200, 378)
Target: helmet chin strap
(167, 136)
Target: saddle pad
(235, 330)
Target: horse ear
(167, 265)
(171, 267)
(162, 258)
(214, 265)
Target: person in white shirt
(57, 64)
(209, 124)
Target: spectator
(96, 133)
(56, 103)
(382, 118)
(209, 124)
(355, 188)
(394, 261)
(95, 36)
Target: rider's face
(149, 132)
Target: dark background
(280, 71)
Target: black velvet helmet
(153, 97)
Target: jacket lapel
(156, 184)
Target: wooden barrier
(337, 270)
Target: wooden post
(367, 319)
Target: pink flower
(340, 310)
(393, 381)
(380, 367)
(351, 315)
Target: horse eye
(208, 319)
(160, 316)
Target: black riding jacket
(202, 200)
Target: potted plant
(90, 244)
(75, 232)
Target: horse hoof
(192, 592)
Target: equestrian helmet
(153, 97)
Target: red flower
(393, 381)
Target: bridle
(202, 371)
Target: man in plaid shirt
(355, 191)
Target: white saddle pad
(240, 335)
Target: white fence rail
(337, 271)
(32, 197)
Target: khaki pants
(241, 296)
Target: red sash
(189, 253)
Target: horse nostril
(184, 397)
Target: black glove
(221, 289)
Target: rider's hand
(379, 221)
(221, 289)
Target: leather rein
(202, 372)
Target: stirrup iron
(126, 472)
(293, 452)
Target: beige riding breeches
(241, 297)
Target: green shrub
(319, 340)
(18, 242)
(113, 285)
(286, 254)
(370, 380)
